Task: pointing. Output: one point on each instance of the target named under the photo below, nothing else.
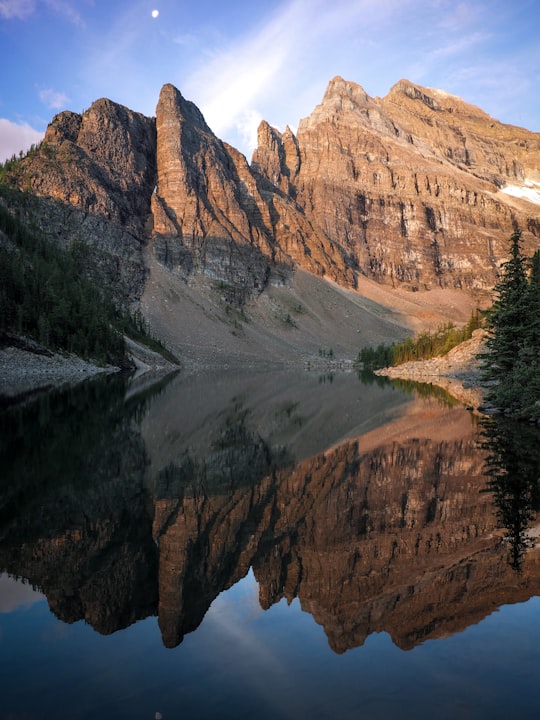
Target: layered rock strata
(211, 215)
(418, 189)
(411, 185)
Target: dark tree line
(46, 295)
(511, 362)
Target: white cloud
(14, 138)
(53, 99)
(231, 86)
(19, 9)
(247, 125)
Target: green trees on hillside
(424, 347)
(512, 359)
(43, 295)
(511, 363)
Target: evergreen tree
(533, 302)
(513, 347)
(527, 372)
(507, 318)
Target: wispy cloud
(15, 137)
(496, 86)
(231, 85)
(228, 85)
(458, 46)
(16, 9)
(461, 16)
(23, 9)
(455, 47)
(66, 10)
(53, 99)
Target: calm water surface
(269, 546)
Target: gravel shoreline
(27, 369)
(23, 372)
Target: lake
(269, 545)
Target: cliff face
(411, 186)
(417, 189)
(211, 215)
(207, 212)
(90, 181)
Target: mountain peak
(403, 190)
(414, 92)
(172, 103)
(341, 97)
(338, 87)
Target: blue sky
(243, 61)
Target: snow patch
(530, 191)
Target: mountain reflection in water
(367, 505)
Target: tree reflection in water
(513, 465)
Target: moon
(155, 13)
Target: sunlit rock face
(212, 215)
(101, 161)
(409, 185)
(207, 211)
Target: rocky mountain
(412, 186)
(211, 213)
(416, 191)
(91, 180)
